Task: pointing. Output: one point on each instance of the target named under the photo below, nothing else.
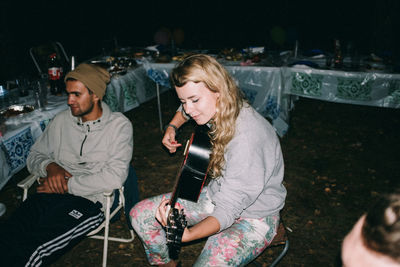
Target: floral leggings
(237, 245)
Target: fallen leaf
(328, 190)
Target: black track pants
(44, 227)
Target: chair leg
(106, 225)
(94, 235)
(125, 240)
(106, 232)
(280, 256)
(283, 253)
(159, 106)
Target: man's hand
(44, 186)
(56, 180)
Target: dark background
(90, 28)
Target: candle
(72, 62)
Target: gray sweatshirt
(251, 182)
(96, 153)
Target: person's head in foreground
(209, 94)
(86, 86)
(375, 238)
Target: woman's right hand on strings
(169, 140)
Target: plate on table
(305, 63)
(16, 110)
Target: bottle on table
(338, 57)
(55, 73)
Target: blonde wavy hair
(203, 68)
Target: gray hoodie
(251, 183)
(96, 153)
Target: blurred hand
(169, 140)
(162, 211)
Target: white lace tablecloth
(273, 90)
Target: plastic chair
(41, 53)
(281, 239)
(110, 213)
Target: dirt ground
(338, 159)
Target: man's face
(356, 254)
(80, 101)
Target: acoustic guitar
(190, 181)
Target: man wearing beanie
(83, 152)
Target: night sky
(87, 28)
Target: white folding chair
(31, 179)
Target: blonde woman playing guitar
(238, 211)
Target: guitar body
(191, 179)
(195, 165)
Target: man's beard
(87, 111)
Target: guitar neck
(174, 195)
(174, 198)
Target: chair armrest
(26, 184)
(28, 181)
(108, 193)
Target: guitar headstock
(176, 225)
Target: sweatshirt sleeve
(41, 153)
(241, 183)
(115, 170)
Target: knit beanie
(95, 78)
